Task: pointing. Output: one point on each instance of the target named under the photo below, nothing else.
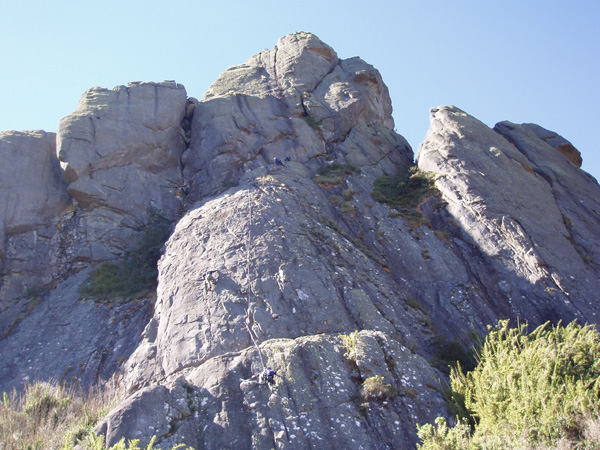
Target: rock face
(32, 199)
(120, 154)
(298, 101)
(519, 201)
(294, 265)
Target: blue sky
(523, 61)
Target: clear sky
(523, 61)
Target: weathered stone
(556, 141)
(31, 189)
(61, 337)
(120, 152)
(32, 198)
(507, 200)
(316, 399)
(149, 412)
(297, 101)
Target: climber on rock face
(278, 162)
(267, 376)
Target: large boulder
(120, 152)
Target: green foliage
(334, 174)
(93, 442)
(373, 388)
(442, 437)
(313, 122)
(528, 391)
(138, 272)
(405, 192)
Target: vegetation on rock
(349, 341)
(405, 192)
(333, 175)
(374, 388)
(537, 390)
(137, 273)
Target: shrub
(313, 122)
(138, 272)
(93, 442)
(405, 192)
(527, 391)
(334, 174)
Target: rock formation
(292, 265)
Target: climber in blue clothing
(278, 162)
(267, 376)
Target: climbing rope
(249, 319)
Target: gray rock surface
(32, 199)
(518, 200)
(316, 400)
(64, 338)
(271, 265)
(297, 100)
(120, 154)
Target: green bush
(138, 272)
(405, 192)
(93, 442)
(527, 391)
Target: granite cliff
(340, 265)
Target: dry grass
(44, 413)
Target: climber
(267, 376)
(278, 162)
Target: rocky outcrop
(507, 190)
(297, 101)
(120, 154)
(32, 199)
(294, 265)
(318, 399)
